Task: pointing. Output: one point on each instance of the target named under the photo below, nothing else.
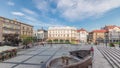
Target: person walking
(92, 51)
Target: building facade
(11, 27)
(62, 34)
(35, 33)
(42, 35)
(1, 29)
(82, 35)
(26, 30)
(113, 33)
(97, 36)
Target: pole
(119, 38)
(106, 39)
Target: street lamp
(106, 38)
(119, 38)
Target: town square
(59, 33)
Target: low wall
(82, 64)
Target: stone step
(116, 59)
(112, 59)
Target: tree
(49, 41)
(11, 39)
(27, 40)
(67, 41)
(61, 41)
(55, 40)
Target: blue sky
(88, 14)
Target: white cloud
(29, 18)
(81, 9)
(18, 13)
(28, 11)
(78, 9)
(11, 3)
(42, 5)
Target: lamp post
(119, 38)
(106, 38)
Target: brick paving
(38, 56)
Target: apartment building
(62, 34)
(113, 33)
(82, 35)
(97, 36)
(26, 30)
(8, 26)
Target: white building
(82, 35)
(62, 34)
(34, 33)
(42, 35)
(113, 33)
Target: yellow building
(97, 36)
(26, 30)
(8, 26)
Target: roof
(81, 30)
(16, 21)
(110, 27)
(61, 27)
(99, 31)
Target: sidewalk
(99, 61)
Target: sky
(87, 14)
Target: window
(23, 28)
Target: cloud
(30, 18)
(28, 11)
(11, 3)
(42, 5)
(82, 9)
(77, 9)
(18, 13)
(46, 6)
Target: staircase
(112, 55)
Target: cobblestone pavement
(38, 56)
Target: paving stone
(18, 58)
(37, 56)
(6, 65)
(38, 59)
(28, 66)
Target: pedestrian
(43, 43)
(92, 51)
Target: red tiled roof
(99, 31)
(81, 30)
